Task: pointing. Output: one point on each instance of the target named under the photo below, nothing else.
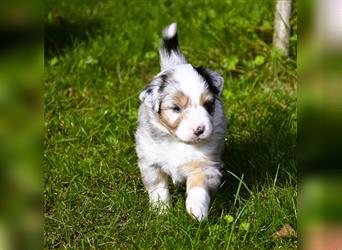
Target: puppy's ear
(151, 95)
(214, 80)
(170, 52)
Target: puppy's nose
(199, 130)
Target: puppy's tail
(170, 53)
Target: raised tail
(170, 53)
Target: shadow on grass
(258, 157)
(60, 33)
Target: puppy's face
(183, 100)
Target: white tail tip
(170, 31)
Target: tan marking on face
(205, 97)
(207, 101)
(180, 100)
(171, 126)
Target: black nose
(199, 130)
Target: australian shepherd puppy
(181, 130)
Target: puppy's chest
(172, 156)
(175, 154)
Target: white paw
(159, 199)
(197, 203)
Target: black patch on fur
(209, 106)
(208, 79)
(171, 44)
(159, 108)
(163, 81)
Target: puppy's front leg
(198, 199)
(198, 185)
(155, 182)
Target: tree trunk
(281, 36)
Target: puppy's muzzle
(199, 130)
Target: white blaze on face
(197, 118)
(196, 123)
(190, 82)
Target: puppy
(181, 130)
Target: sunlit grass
(98, 57)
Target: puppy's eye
(176, 109)
(209, 106)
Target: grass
(98, 56)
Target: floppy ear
(217, 80)
(214, 80)
(151, 95)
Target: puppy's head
(182, 97)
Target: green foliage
(98, 56)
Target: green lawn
(98, 56)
